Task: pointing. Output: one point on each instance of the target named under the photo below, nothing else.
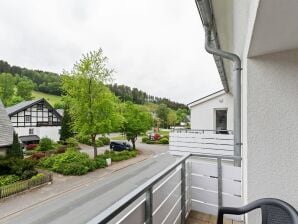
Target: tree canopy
(93, 107)
(137, 121)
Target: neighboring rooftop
(206, 98)
(6, 128)
(20, 106)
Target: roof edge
(206, 98)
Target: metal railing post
(183, 192)
(149, 206)
(219, 181)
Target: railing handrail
(111, 212)
(200, 130)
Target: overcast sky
(154, 45)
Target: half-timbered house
(35, 119)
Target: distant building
(35, 119)
(6, 131)
(212, 112)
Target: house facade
(35, 119)
(212, 112)
(263, 34)
(6, 131)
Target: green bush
(119, 156)
(84, 139)
(145, 139)
(163, 141)
(99, 143)
(45, 144)
(105, 140)
(150, 142)
(100, 162)
(38, 176)
(165, 136)
(72, 162)
(8, 179)
(72, 142)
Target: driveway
(146, 149)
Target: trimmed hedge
(118, 156)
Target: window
(31, 131)
(28, 118)
(50, 120)
(39, 106)
(221, 121)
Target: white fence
(205, 189)
(206, 182)
(206, 142)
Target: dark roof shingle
(21, 105)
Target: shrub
(156, 137)
(8, 179)
(31, 146)
(99, 143)
(47, 162)
(27, 174)
(145, 139)
(166, 136)
(119, 156)
(100, 162)
(163, 141)
(72, 142)
(72, 162)
(38, 176)
(45, 144)
(84, 139)
(105, 140)
(37, 155)
(74, 168)
(150, 142)
(16, 166)
(61, 149)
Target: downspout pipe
(211, 46)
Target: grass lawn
(52, 99)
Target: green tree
(66, 130)
(137, 121)
(92, 106)
(7, 84)
(162, 113)
(15, 150)
(182, 115)
(24, 88)
(172, 118)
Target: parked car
(120, 145)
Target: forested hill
(49, 82)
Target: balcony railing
(201, 141)
(196, 182)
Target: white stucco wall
(271, 149)
(203, 114)
(51, 131)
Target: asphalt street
(81, 205)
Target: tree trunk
(133, 140)
(94, 145)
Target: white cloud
(154, 45)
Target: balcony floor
(202, 218)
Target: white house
(212, 112)
(35, 119)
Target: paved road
(81, 205)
